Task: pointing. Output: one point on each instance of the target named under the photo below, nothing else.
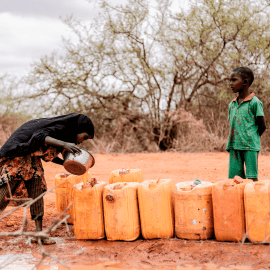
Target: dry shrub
(194, 136)
(120, 136)
(5, 132)
(197, 141)
(8, 123)
(121, 141)
(191, 136)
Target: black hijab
(30, 136)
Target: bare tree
(137, 64)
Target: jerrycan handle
(227, 186)
(258, 185)
(64, 175)
(152, 185)
(124, 171)
(109, 197)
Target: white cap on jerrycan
(193, 210)
(192, 185)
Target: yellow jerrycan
(156, 208)
(121, 211)
(228, 209)
(60, 183)
(63, 191)
(126, 175)
(88, 209)
(193, 210)
(257, 209)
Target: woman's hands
(70, 147)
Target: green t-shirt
(243, 129)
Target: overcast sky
(30, 29)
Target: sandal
(44, 241)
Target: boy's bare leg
(251, 160)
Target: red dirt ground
(143, 254)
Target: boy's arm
(260, 122)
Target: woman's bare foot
(44, 241)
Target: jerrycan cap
(238, 180)
(197, 182)
(93, 181)
(90, 184)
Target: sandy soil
(142, 254)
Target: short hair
(245, 73)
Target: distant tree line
(147, 74)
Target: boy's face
(236, 83)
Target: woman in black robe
(20, 156)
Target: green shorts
(237, 160)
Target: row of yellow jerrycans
(229, 210)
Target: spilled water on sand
(28, 261)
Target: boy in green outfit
(246, 126)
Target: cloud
(30, 29)
(81, 9)
(24, 39)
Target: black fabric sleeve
(13, 149)
(58, 161)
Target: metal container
(78, 164)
